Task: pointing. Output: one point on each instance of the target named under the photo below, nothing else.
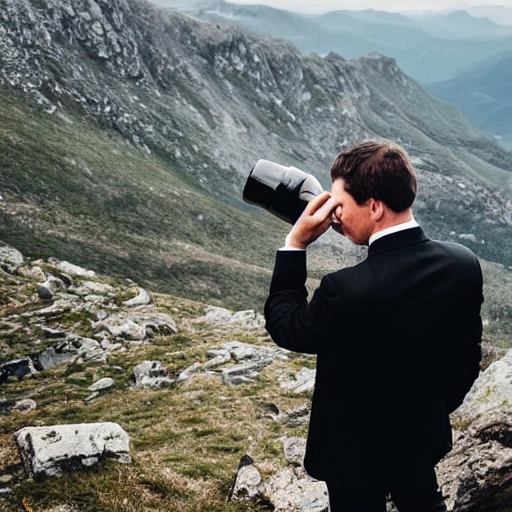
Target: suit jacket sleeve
(463, 354)
(291, 321)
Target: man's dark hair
(378, 170)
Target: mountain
(446, 52)
(128, 133)
(501, 14)
(461, 25)
(427, 47)
(483, 95)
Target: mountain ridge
(436, 49)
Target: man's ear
(377, 209)
(336, 214)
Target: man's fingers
(319, 203)
(327, 208)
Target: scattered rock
(18, 368)
(73, 270)
(75, 348)
(137, 325)
(302, 381)
(151, 375)
(248, 482)
(93, 288)
(142, 299)
(294, 449)
(298, 417)
(102, 384)
(48, 289)
(252, 360)
(292, 489)
(34, 272)
(10, 258)
(25, 405)
(288, 489)
(247, 320)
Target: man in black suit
(397, 337)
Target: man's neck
(401, 222)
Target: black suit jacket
(397, 339)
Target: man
(397, 337)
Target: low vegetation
(70, 191)
(186, 440)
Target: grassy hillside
(73, 192)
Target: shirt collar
(393, 229)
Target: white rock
(104, 383)
(303, 381)
(50, 451)
(10, 258)
(25, 405)
(143, 298)
(75, 270)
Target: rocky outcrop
(151, 375)
(249, 319)
(71, 290)
(235, 362)
(477, 475)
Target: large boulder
(51, 451)
(476, 476)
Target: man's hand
(314, 222)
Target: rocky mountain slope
(445, 52)
(128, 133)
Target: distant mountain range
(484, 95)
(454, 48)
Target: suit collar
(398, 240)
